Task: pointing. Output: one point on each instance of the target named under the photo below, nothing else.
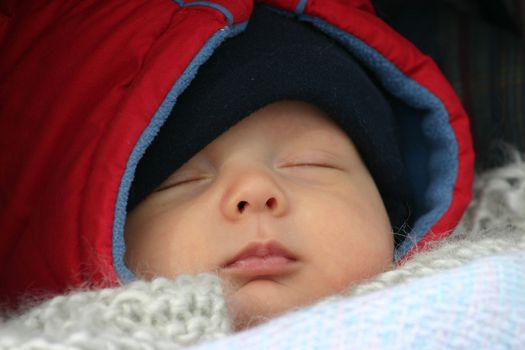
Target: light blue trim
(443, 162)
(299, 9)
(220, 8)
(124, 274)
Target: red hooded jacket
(84, 85)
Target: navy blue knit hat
(278, 58)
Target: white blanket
(468, 292)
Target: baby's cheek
(350, 261)
(149, 251)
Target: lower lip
(258, 266)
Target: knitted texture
(466, 292)
(161, 314)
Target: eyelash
(314, 165)
(181, 182)
(320, 165)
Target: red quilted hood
(85, 86)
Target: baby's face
(280, 206)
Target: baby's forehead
(292, 122)
(290, 117)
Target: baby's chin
(261, 300)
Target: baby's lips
(256, 259)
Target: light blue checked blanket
(480, 305)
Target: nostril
(270, 203)
(241, 205)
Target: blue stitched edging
(299, 9)
(443, 162)
(119, 248)
(220, 8)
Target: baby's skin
(280, 206)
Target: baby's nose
(271, 204)
(253, 192)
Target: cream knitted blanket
(467, 292)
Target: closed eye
(311, 159)
(180, 183)
(312, 165)
(320, 165)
